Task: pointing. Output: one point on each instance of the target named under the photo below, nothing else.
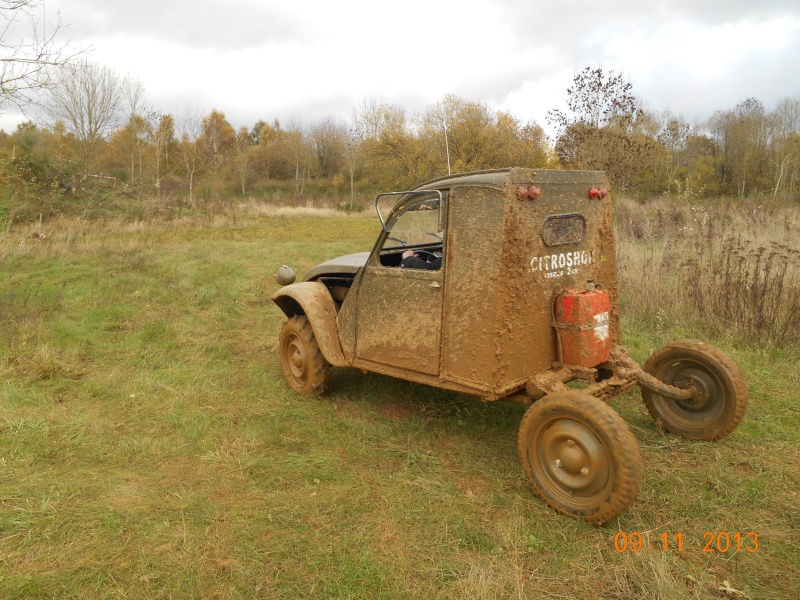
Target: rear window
(563, 229)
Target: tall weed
(720, 269)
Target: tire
(721, 393)
(579, 456)
(304, 367)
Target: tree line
(98, 126)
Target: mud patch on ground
(395, 412)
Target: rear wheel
(579, 456)
(720, 393)
(304, 367)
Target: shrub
(350, 207)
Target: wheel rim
(573, 463)
(707, 404)
(296, 358)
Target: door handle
(435, 284)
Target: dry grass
(149, 448)
(726, 271)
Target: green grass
(149, 447)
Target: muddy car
(502, 284)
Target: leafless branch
(28, 51)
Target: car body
(524, 300)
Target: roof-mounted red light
(531, 193)
(595, 193)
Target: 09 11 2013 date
(713, 542)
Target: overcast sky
(307, 59)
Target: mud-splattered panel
(399, 317)
(540, 261)
(471, 315)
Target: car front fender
(312, 299)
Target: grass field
(150, 449)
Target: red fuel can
(581, 322)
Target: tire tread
(318, 372)
(625, 451)
(730, 369)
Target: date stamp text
(712, 543)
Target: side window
(419, 227)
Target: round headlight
(285, 275)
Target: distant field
(150, 449)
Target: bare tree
(741, 135)
(328, 138)
(300, 151)
(603, 127)
(217, 139)
(161, 130)
(369, 114)
(25, 61)
(785, 145)
(595, 100)
(672, 134)
(133, 93)
(87, 100)
(352, 152)
(243, 145)
(191, 128)
(269, 137)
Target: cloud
(760, 72)
(575, 21)
(674, 58)
(495, 87)
(308, 60)
(716, 12)
(204, 24)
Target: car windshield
(417, 225)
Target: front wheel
(579, 456)
(720, 396)
(304, 367)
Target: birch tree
(191, 155)
(243, 146)
(162, 134)
(133, 98)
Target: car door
(399, 314)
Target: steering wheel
(426, 255)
